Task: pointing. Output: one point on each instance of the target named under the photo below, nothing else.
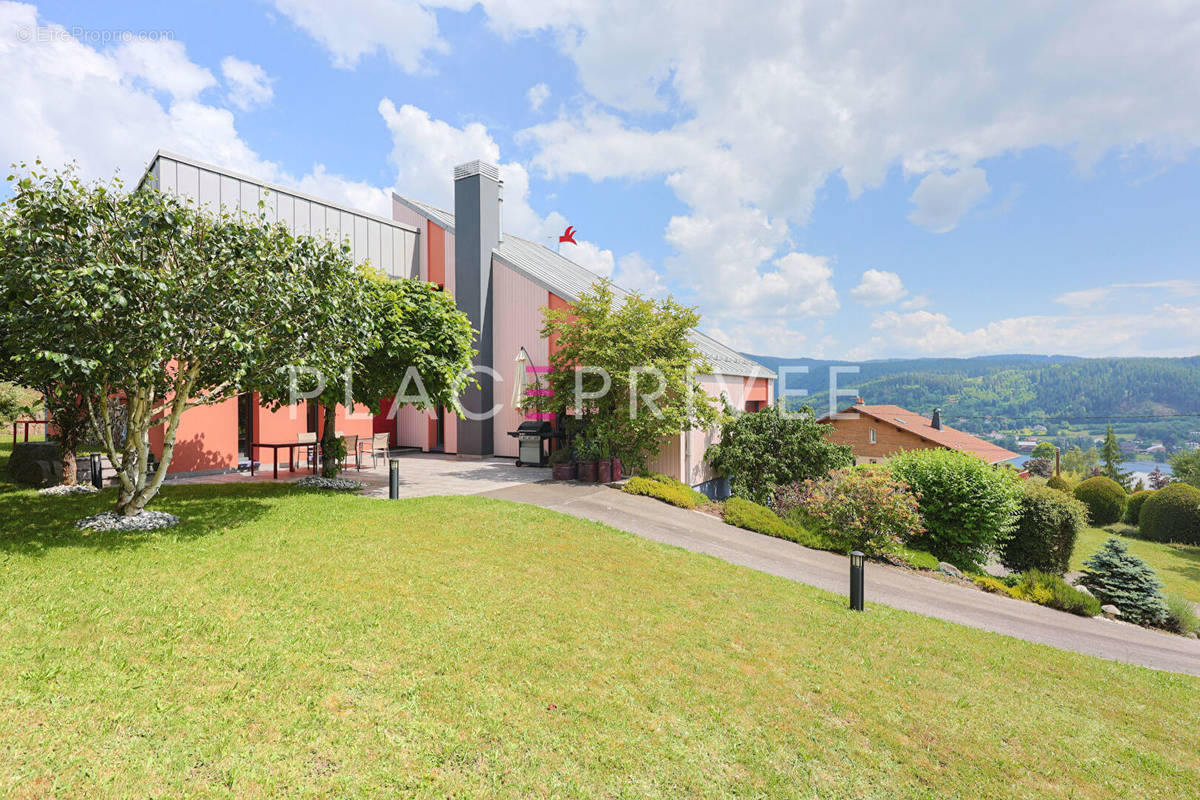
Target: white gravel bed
(63, 490)
(144, 520)
(331, 484)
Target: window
(872, 435)
(755, 405)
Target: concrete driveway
(702, 533)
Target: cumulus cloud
(878, 287)
(249, 85)
(537, 95)
(941, 200)
(162, 64)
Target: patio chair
(377, 446)
(351, 442)
(310, 453)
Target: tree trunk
(70, 474)
(331, 449)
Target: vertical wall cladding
(517, 306)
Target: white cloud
(537, 94)
(1083, 298)
(878, 287)
(636, 274)
(163, 64)
(941, 200)
(916, 302)
(249, 85)
(590, 256)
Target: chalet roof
(952, 438)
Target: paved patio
(421, 475)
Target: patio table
(275, 448)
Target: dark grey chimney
(936, 422)
(477, 190)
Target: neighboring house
(502, 282)
(876, 432)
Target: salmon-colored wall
(556, 303)
(437, 255)
(205, 440)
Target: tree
(1112, 457)
(1185, 467)
(762, 451)
(148, 306)
(1116, 576)
(1045, 450)
(1079, 461)
(1159, 479)
(643, 348)
(1042, 467)
(418, 348)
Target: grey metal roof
(440, 216)
(556, 273)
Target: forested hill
(1016, 387)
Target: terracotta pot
(565, 471)
(587, 471)
(604, 470)
(618, 469)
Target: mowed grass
(1177, 565)
(302, 644)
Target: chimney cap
(477, 167)
(936, 421)
(858, 401)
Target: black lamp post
(97, 470)
(857, 561)
(394, 478)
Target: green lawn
(1178, 565)
(300, 644)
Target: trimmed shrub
(1050, 590)
(967, 506)
(1047, 526)
(1133, 506)
(865, 510)
(992, 585)
(1181, 615)
(1059, 483)
(1104, 498)
(1172, 514)
(675, 493)
(1114, 575)
(747, 514)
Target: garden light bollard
(394, 478)
(857, 561)
(97, 470)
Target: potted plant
(585, 448)
(618, 468)
(562, 465)
(603, 439)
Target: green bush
(865, 510)
(1133, 506)
(763, 450)
(1104, 498)
(1181, 615)
(1116, 576)
(1172, 514)
(967, 505)
(676, 493)
(753, 517)
(1048, 524)
(1059, 483)
(992, 585)
(1050, 590)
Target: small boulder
(1079, 587)
(949, 569)
(1109, 610)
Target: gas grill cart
(533, 435)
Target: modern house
(502, 282)
(876, 432)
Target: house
(875, 432)
(499, 280)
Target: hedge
(1047, 526)
(1172, 514)
(1059, 483)
(1104, 498)
(1133, 506)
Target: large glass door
(245, 425)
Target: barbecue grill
(533, 434)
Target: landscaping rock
(142, 521)
(1109, 610)
(949, 569)
(331, 484)
(63, 490)
(36, 463)
(1081, 588)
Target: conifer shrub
(1172, 514)
(1116, 576)
(1104, 498)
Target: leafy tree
(148, 306)
(1159, 479)
(1044, 450)
(1116, 576)
(1112, 457)
(1042, 467)
(642, 347)
(1079, 461)
(863, 509)
(1185, 467)
(766, 449)
(968, 506)
(418, 347)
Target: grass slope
(1177, 565)
(291, 644)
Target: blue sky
(820, 179)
